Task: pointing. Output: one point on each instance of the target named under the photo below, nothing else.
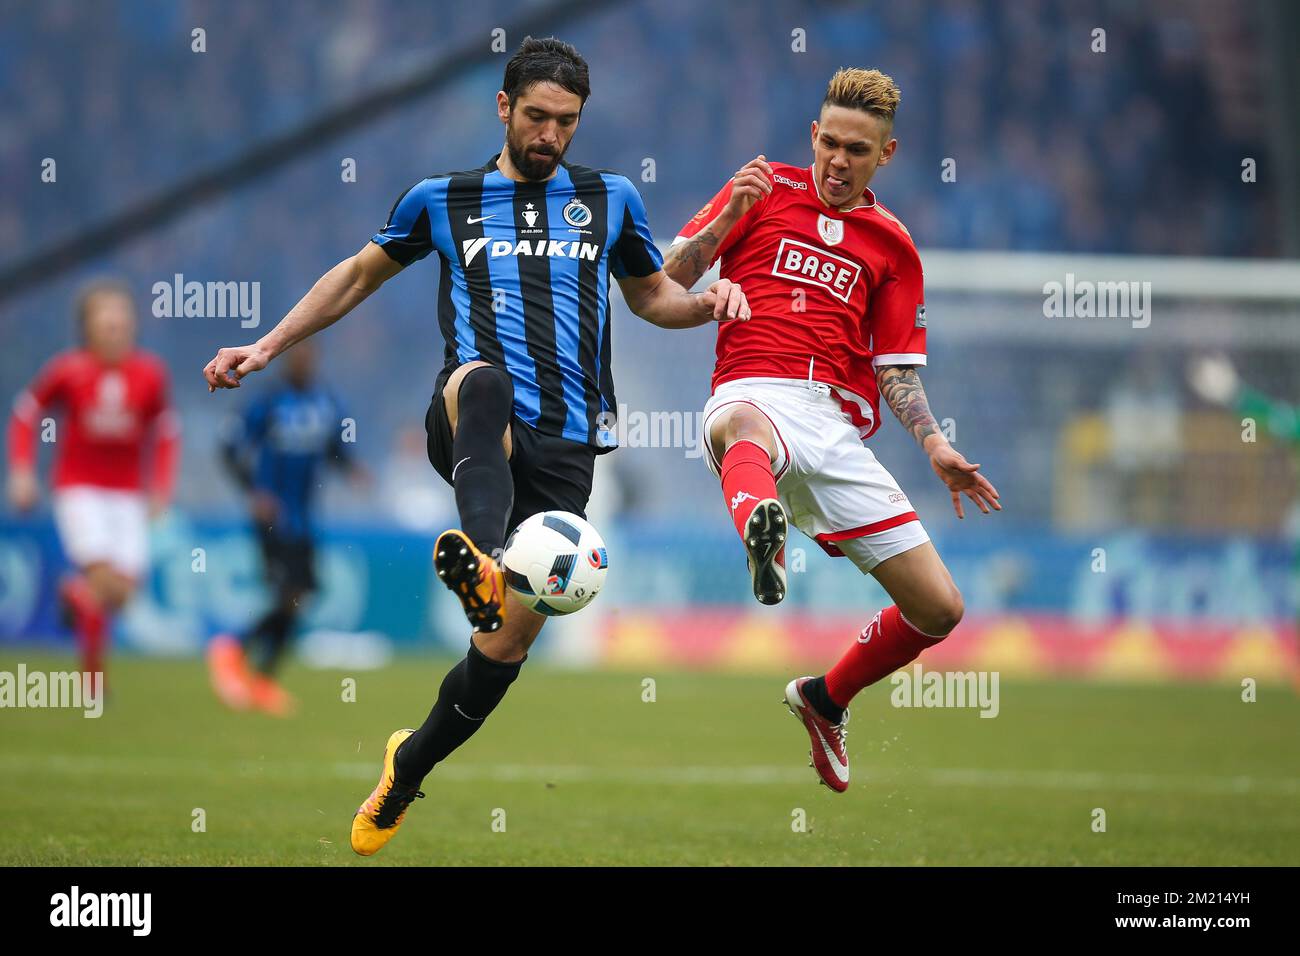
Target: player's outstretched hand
(962, 477)
(751, 183)
(240, 360)
(726, 301)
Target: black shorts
(550, 473)
(290, 563)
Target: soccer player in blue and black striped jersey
(527, 244)
(276, 452)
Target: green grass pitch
(575, 768)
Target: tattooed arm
(689, 259)
(900, 387)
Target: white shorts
(830, 484)
(103, 524)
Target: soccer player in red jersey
(835, 285)
(114, 403)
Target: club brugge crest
(576, 214)
(831, 230)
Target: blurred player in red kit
(835, 284)
(113, 404)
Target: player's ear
(503, 106)
(887, 152)
(814, 133)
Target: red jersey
(833, 294)
(109, 414)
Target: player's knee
(747, 424)
(942, 617)
(111, 590)
(486, 385)
(507, 645)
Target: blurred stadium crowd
(1134, 150)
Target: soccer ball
(555, 562)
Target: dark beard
(531, 165)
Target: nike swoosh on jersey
(467, 716)
(470, 220)
(458, 464)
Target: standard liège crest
(830, 230)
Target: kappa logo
(553, 248)
(800, 262)
(786, 181)
(741, 496)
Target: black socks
(816, 694)
(485, 492)
(484, 487)
(469, 692)
(264, 644)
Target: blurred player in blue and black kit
(527, 244)
(276, 451)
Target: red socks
(90, 622)
(746, 480)
(884, 645)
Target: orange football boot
(474, 577)
(228, 672)
(377, 819)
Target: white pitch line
(772, 775)
(754, 775)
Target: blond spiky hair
(868, 90)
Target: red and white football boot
(830, 756)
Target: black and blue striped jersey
(525, 280)
(280, 445)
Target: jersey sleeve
(241, 442)
(45, 390)
(634, 252)
(235, 456)
(407, 236)
(896, 314)
(711, 210)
